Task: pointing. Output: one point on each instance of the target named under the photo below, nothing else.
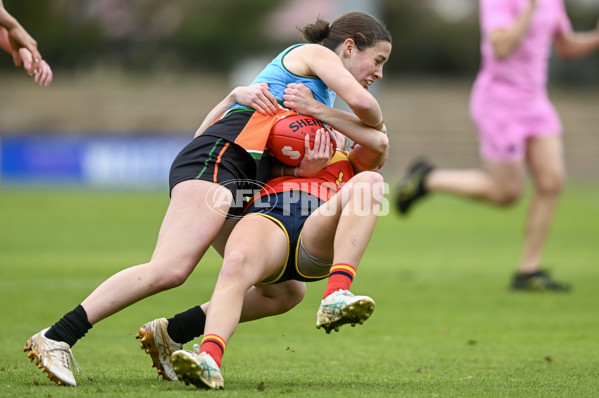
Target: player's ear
(349, 46)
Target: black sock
(186, 326)
(71, 327)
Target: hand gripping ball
(286, 140)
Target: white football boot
(342, 307)
(156, 342)
(53, 358)
(199, 369)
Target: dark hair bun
(316, 32)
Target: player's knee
(234, 266)
(294, 294)
(369, 177)
(174, 277)
(508, 195)
(507, 199)
(551, 183)
(371, 183)
(168, 274)
(374, 178)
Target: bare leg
(220, 240)
(189, 226)
(268, 300)
(546, 164)
(501, 184)
(261, 301)
(342, 227)
(246, 263)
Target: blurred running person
(224, 159)
(519, 129)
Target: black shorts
(289, 210)
(217, 160)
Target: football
(286, 139)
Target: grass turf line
(445, 322)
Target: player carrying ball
(295, 230)
(341, 58)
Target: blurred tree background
(157, 67)
(430, 37)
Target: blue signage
(132, 162)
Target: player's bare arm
(256, 96)
(316, 60)
(19, 38)
(300, 98)
(505, 41)
(572, 45)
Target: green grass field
(445, 324)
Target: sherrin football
(286, 140)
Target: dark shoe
(411, 186)
(538, 281)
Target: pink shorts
(504, 127)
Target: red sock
(340, 278)
(214, 346)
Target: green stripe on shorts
(209, 158)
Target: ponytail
(365, 30)
(316, 32)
